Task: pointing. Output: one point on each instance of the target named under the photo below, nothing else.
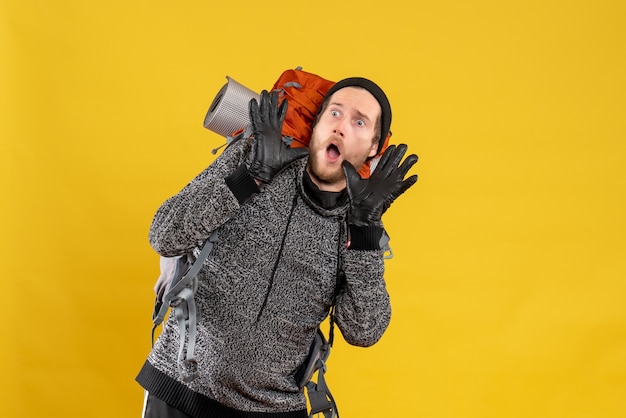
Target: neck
(324, 198)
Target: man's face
(345, 131)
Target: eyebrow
(361, 115)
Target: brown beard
(315, 166)
(321, 178)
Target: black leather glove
(370, 198)
(269, 153)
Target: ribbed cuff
(242, 184)
(365, 237)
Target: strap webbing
(185, 312)
(320, 398)
(180, 296)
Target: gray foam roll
(229, 110)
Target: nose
(339, 127)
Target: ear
(373, 149)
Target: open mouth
(332, 152)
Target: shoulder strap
(318, 393)
(180, 297)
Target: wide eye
(334, 113)
(360, 122)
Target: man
(298, 230)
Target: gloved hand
(370, 198)
(269, 153)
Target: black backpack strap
(180, 297)
(320, 398)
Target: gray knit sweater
(268, 283)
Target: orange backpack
(304, 92)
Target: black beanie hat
(377, 92)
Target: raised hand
(370, 198)
(269, 153)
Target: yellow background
(508, 282)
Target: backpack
(305, 92)
(177, 284)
